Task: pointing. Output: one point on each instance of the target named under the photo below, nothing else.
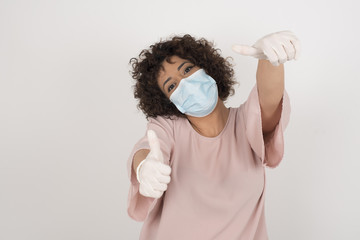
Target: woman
(199, 172)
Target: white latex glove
(277, 47)
(152, 174)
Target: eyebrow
(166, 82)
(182, 65)
(178, 70)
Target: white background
(68, 119)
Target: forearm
(270, 84)
(139, 156)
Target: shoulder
(236, 111)
(168, 124)
(170, 121)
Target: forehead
(171, 66)
(174, 61)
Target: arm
(139, 156)
(153, 175)
(273, 50)
(270, 84)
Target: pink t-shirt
(217, 188)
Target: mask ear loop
(171, 103)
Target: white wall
(68, 119)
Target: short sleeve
(139, 206)
(272, 153)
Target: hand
(277, 47)
(152, 174)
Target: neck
(212, 124)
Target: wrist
(138, 170)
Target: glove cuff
(138, 169)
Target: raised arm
(270, 84)
(272, 51)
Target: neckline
(211, 138)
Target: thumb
(246, 50)
(155, 145)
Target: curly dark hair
(152, 101)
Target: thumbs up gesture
(277, 47)
(152, 174)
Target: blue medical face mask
(196, 95)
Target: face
(170, 77)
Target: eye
(171, 87)
(188, 69)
